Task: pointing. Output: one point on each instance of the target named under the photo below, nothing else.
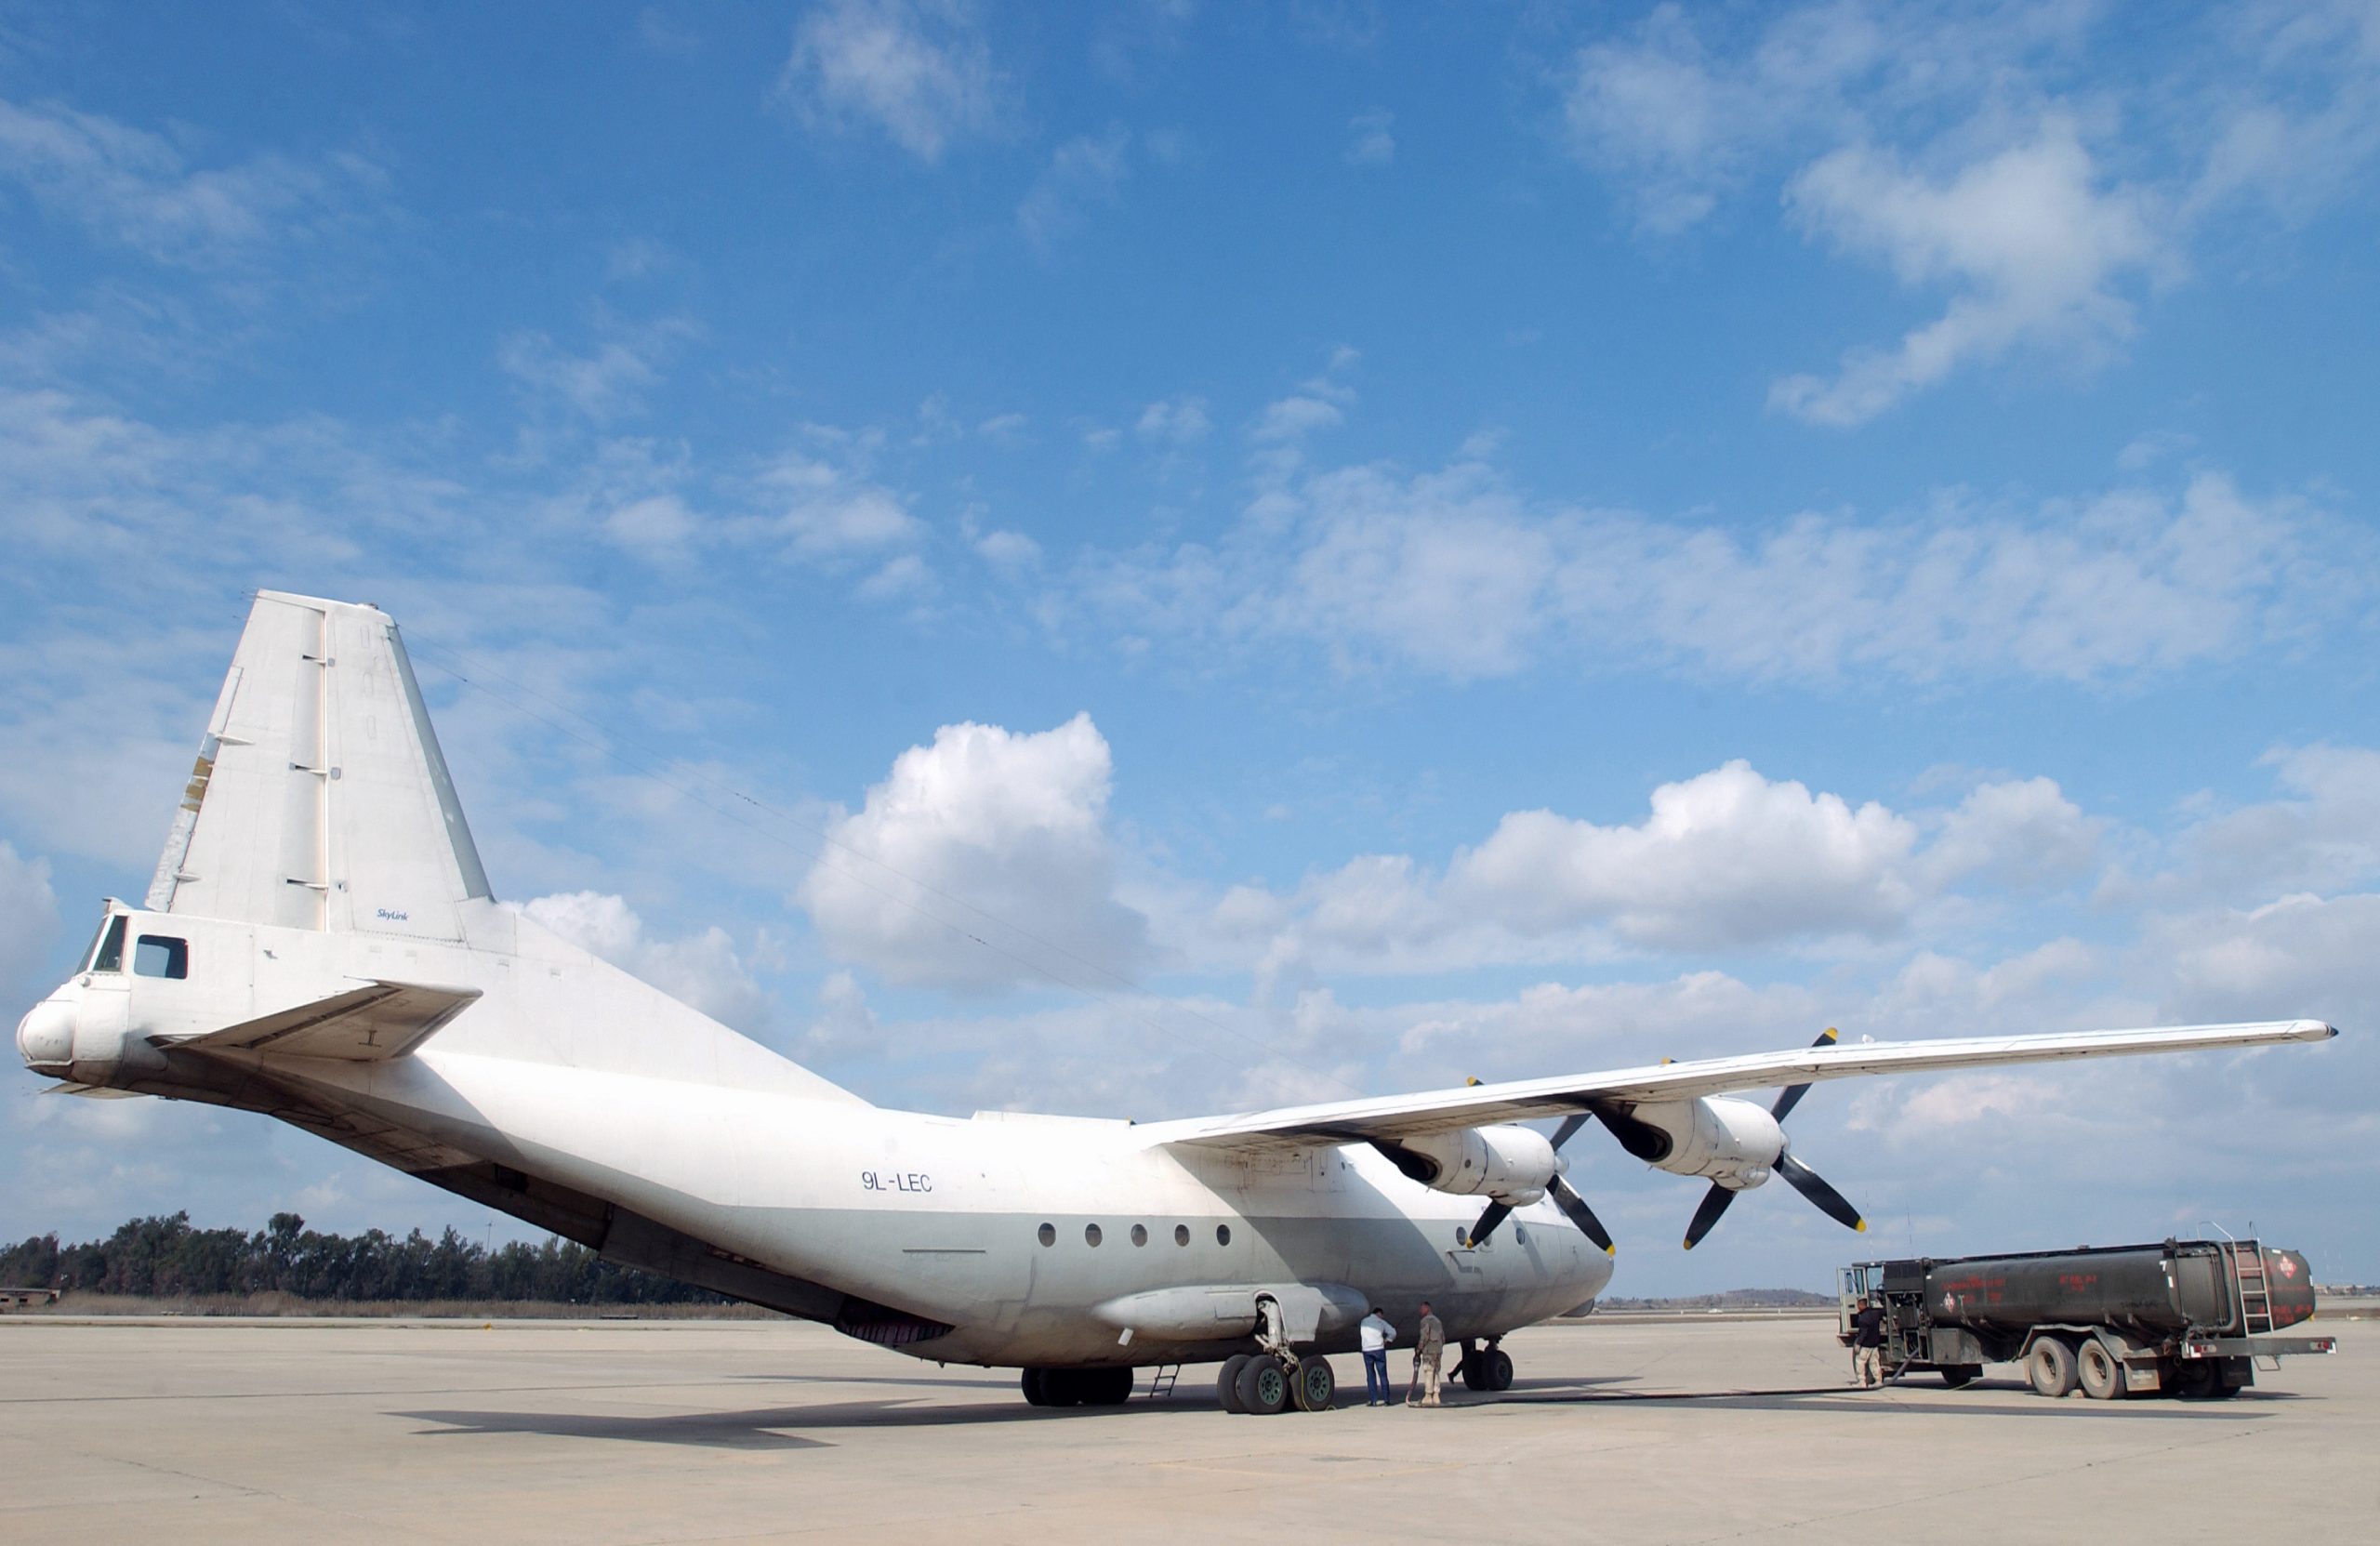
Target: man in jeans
(1868, 1345)
(1374, 1333)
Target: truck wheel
(2100, 1370)
(2051, 1367)
(1227, 1383)
(1959, 1376)
(2197, 1379)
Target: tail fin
(320, 799)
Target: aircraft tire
(1227, 1383)
(1316, 1385)
(1035, 1382)
(1106, 1387)
(2051, 1367)
(1496, 1369)
(1264, 1387)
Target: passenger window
(111, 955)
(161, 956)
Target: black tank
(2158, 1291)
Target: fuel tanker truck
(2187, 1318)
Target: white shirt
(1375, 1332)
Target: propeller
(1797, 1175)
(1565, 1195)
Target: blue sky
(1354, 545)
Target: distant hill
(1733, 1299)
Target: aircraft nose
(46, 1037)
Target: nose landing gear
(1486, 1368)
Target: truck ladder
(2252, 1291)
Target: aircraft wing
(367, 1024)
(1395, 1116)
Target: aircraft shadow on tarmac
(764, 1428)
(759, 1428)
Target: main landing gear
(1262, 1383)
(1484, 1368)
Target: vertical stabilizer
(319, 799)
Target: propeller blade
(1831, 1202)
(1714, 1202)
(1566, 1198)
(1569, 1129)
(1487, 1224)
(1792, 1095)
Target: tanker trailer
(2187, 1318)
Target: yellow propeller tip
(1829, 1036)
(1690, 1245)
(1611, 1251)
(1861, 1226)
(1469, 1081)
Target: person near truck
(1429, 1348)
(1868, 1345)
(1374, 1334)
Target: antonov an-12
(321, 945)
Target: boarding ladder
(1161, 1381)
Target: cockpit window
(161, 956)
(111, 952)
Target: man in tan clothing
(1429, 1347)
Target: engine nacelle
(1734, 1142)
(1511, 1164)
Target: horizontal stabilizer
(371, 1023)
(92, 1091)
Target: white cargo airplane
(321, 945)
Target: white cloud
(141, 191)
(1085, 170)
(1725, 858)
(1010, 552)
(703, 970)
(2323, 835)
(1371, 141)
(823, 511)
(1175, 421)
(1294, 417)
(918, 70)
(607, 383)
(27, 923)
(2017, 834)
(1015, 824)
(1453, 573)
(843, 1024)
(2027, 239)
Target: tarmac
(608, 1433)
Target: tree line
(164, 1258)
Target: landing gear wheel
(1036, 1385)
(1227, 1381)
(1106, 1387)
(1315, 1385)
(2051, 1367)
(2198, 1380)
(1264, 1387)
(1495, 1370)
(1959, 1376)
(2101, 1371)
(1061, 1387)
